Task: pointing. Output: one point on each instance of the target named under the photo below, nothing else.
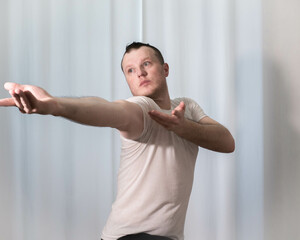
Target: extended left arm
(207, 133)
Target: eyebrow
(146, 58)
(130, 64)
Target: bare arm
(125, 116)
(207, 133)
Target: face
(144, 73)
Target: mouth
(145, 82)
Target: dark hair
(137, 45)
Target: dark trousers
(143, 236)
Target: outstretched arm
(207, 133)
(125, 116)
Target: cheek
(159, 73)
(131, 83)
(158, 76)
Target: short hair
(137, 45)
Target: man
(160, 139)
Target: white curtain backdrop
(238, 59)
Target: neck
(164, 102)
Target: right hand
(29, 99)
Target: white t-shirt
(155, 178)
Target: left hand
(171, 122)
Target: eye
(147, 63)
(130, 70)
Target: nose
(141, 72)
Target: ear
(166, 69)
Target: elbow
(230, 146)
(231, 149)
(225, 146)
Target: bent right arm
(125, 116)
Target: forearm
(210, 136)
(93, 111)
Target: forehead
(137, 55)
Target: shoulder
(193, 110)
(186, 100)
(145, 103)
(189, 103)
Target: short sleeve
(195, 111)
(146, 104)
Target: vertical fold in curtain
(249, 109)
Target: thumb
(179, 110)
(182, 105)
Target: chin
(145, 93)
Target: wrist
(54, 106)
(181, 128)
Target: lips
(144, 82)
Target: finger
(24, 101)
(17, 100)
(177, 113)
(157, 118)
(161, 122)
(22, 111)
(167, 122)
(161, 116)
(179, 110)
(10, 86)
(7, 102)
(182, 105)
